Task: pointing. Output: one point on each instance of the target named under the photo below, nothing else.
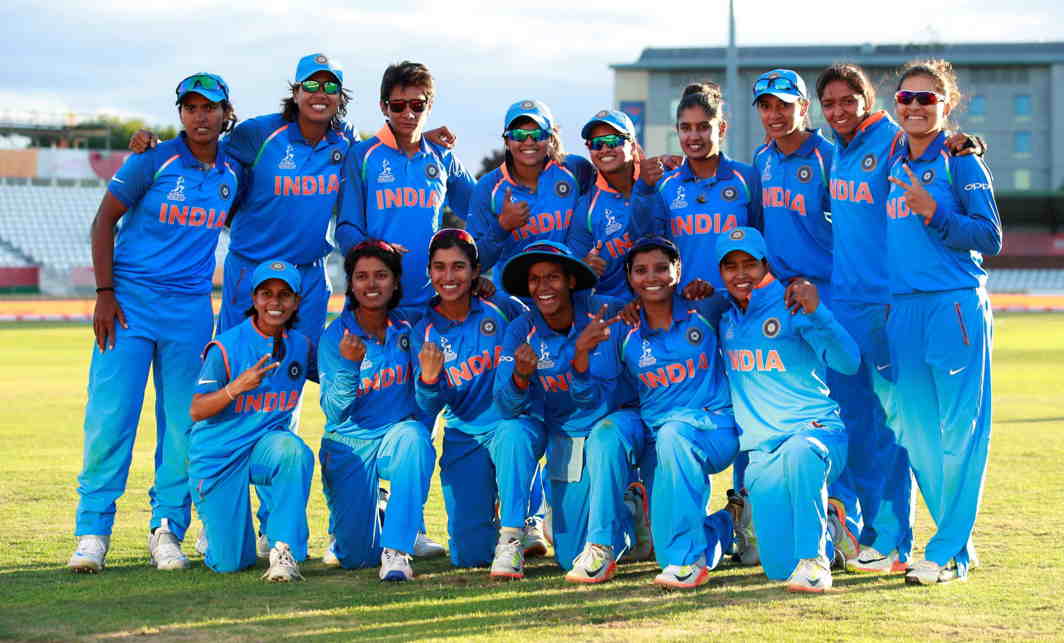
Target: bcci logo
(295, 369)
(431, 171)
(602, 114)
(544, 361)
(680, 201)
(805, 173)
(771, 327)
(488, 327)
(386, 175)
(737, 235)
(927, 176)
(404, 342)
(647, 358)
(178, 193)
(448, 352)
(868, 163)
(277, 266)
(321, 60)
(730, 193)
(562, 189)
(289, 160)
(224, 191)
(527, 104)
(337, 156)
(694, 336)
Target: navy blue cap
(276, 269)
(313, 63)
(515, 272)
(534, 109)
(615, 118)
(747, 239)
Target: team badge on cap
(295, 369)
(488, 327)
(337, 156)
(561, 188)
(223, 190)
(868, 163)
(771, 327)
(404, 342)
(527, 104)
(602, 114)
(805, 173)
(737, 235)
(928, 175)
(277, 265)
(694, 336)
(321, 59)
(730, 193)
(431, 171)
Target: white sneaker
(329, 558)
(684, 576)
(810, 575)
(283, 568)
(534, 541)
(165, 549)
(846, 543)
(425, 547)
(595, 564)
(88, 557)
(928, 572)
(395, 566)
(262, 546)
(635, 498)
(870, 561)
(509, 561)
(201, 543)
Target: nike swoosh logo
(115, 178)
(207, 382)
(883, 367)
(814, 581)
(595, 572)
(954, 371)
(684, 577)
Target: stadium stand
(49, 225)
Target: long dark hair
(388, 255)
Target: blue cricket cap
(534, 109)
(276, 269)
(615, 118)
(209, 86)
(313, 63)
(747, 239)
(515, 272)
(784, 84)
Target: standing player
(172, 202)
(941, 220)
(777, 344)
(241, 432)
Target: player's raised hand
(352, 348)
(442, 136)
(697, 289)
(250, 379)
(483, 287)
(916, 195)
(103, 319)
(525, 362)
(801, 295)
(514, 213)
(595, 261)
(431, 358)
(671, 161)
(651, 170)
(596, 331)
(630, 313)
(142, 140)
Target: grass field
(1017, 593)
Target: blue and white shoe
(684, 576)
(89, 556)
(329, 558)
(395, 566)
(810, 575)
(928, 572)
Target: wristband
(226, 389)
(105, 289)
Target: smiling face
(610, 159)
(451, 274)
(550, 288)
(372, 283)
(529, 153)
(653, 276)
(407, 124)
(844, 108)
(920, 121)
(741, 273)
(274, 303)
(699, 135)
(779, 118)
(201, 118)
(318, 107)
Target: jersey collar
(602, 184)
(805, 149)
(933, 151)
(191, 161)
(681, 312)
(386, 136)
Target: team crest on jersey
(289, 160)
(766, 174)
(730, 193)
(337, 156)
(680, 200)
(448, 352)
(868, 163)
(612, 225)
(321, 59)
(927, 176)
(178, 193)
(488, 327)
(771, 327)
(805, 173)
(432, 171)
(544, 360)
(224, 191)
(386, 175)
(730, 333)
(562, 189)
(647, 357)
(295, 369)
(404, 342)
(694, 336)
(737, 234)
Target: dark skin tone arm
(205, 405)
(103, 252)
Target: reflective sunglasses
(522, 135)
(398, 105)
(610, 140)
(204, 81)
(906, 97)
(779, 82)
(312, 86)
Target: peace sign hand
(596, 331)
(916, 195)
(250, 379)
(352, 348)
(514, 213)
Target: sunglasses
(201, 81)
(312, 86)
(779, 82)
(906, 97)
(610, 140)
(522, 135)
(398, 105)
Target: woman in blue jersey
(941, 220)
(777, 343)
(533, 194)
(373, 427)
(486, 459)
(249, 387)
(673, 360)
(620, 208)
(153, 310)
(708, 193)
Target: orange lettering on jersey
(747, 360)
(553, 383)
(197, 217)
(702, 224)
(675, 372)
(843, 190)
(178, 215)
(269, 402)
(162, 212)
(619, 246)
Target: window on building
(1021, 144)
(672, 143)
(1021, 180)
(977, 108)
(1021, 105)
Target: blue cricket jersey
(292, 188)
(554, 394)
(386, 195)
(606, 216)
(175, 210)
(218, 441)
(472, 349)
(696, 211)
(363, 400)
(776, 366)
(797, 208)
(859, 190)
(947, 252)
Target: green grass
(1015, 594)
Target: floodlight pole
(732, 69)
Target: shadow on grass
(1029, 420)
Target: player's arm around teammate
(172, 201)
(941, 220)
(373, 427)
(248, 389)
(776, 344)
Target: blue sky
(126, 56)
